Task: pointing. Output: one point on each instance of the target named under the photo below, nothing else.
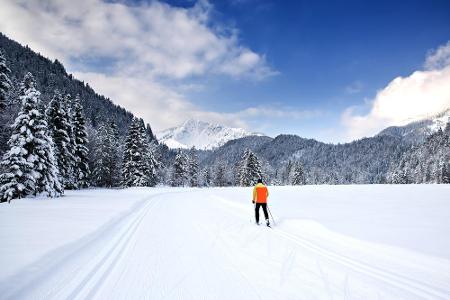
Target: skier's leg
(257, 212)
(266, 215)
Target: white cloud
(147, 50)
(439, 58)
(153, 39)
(405, 99)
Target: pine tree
(46, 165)
(298, 175)
(49, 180)
(58, 123)
(68, 108)
(153, 164)
(243, 169)
(220, 178)
(250, 169)
(180, 168)
(5, 82)
(101, 170)
(254, 167)
(29, 162)
(286, 175)
(193, 168)
(107, 158)
(81, 169)
(207, 179)
(150, 164)
(133, 157)
(140, 159)
(114, 161)
(446, 174)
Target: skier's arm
(254, 194)
(267, 192)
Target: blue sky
(321, 69)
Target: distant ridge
(417, 131)
(201, 135)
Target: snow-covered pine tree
(68, 108)
(286, 174)
(254, 168)
(446, 174)
(5, 82)
(150, 164)
(207, 179)
(250, 170)
(106, 171)
(193, 167)
(133, 157)
(220, 178)
(180, 168)
(298, 174)
(154, 164)
(57, 124)
(46, 165)
(29, 162)
(101, 170)
(49, 182)
(115, 156)
(243, 169)
(81, 169)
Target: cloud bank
(405, 99)
(135, 54)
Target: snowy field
(329, 242)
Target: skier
(260, 194)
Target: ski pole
(271, 215)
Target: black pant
(264, 206)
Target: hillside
(418, 131)
(52, 75)
(362, 161)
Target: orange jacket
(260, 193)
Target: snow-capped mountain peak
(201, 135)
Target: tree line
(51, 148)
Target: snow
(440, 121)
(340, 242)
(173, 144)
(201, 135)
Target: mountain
(201, 135)
(417, 132)
(361, 161)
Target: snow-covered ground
(329, 242)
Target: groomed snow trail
(202, 244)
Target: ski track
(100, 271)
(78, 264)
(416, 288)
(89, 268)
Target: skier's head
(259, 180)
